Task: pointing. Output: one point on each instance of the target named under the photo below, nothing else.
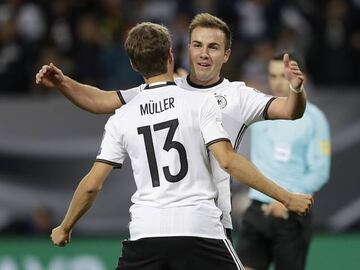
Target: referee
(296, 154)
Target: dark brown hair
(147, 46)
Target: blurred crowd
(85, 38)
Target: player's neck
(200, 84)
(166, 77)
(203, 85)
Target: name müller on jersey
(165, 131)
(240, 105)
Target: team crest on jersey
(221, 100)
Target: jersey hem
(155, 235)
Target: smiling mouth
(203, 65)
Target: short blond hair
(210, 21)
(147, 46)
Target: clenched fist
(300, 203)
(60, 236)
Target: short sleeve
(254, 105)
(111, 151)
(211, 122)
(126, 95)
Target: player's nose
(204, 53)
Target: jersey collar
(203, 86)
(158, 84)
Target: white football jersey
(165, 130)
(240, 106)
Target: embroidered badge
(221, 100)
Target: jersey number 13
(169, 143)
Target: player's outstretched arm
(82, 200)
(293, 106)
(87, 97)
(245, 172)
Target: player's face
(279, 86)
(207, 55)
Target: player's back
(164, 130)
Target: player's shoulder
(138, 88)
(180, 80)
(196, 100)
(236, 84)
(126, 95)
(130, 105)
(240, 88)
(224, 85)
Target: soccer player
(296, 154)
(209, 49)
(167, 132)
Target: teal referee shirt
(294, 154)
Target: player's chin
(203, 76)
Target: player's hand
(275, 209)
(60, 237)
(300, 203)
(292, 72)
(50, 76)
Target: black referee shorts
(178, 253)
(265, 239)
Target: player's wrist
(65, 228)
(297, 90)
(64, 83)
(287, 199)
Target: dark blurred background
(85, 38)
(47, 144)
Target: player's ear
(171, 56)
(227, 55)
